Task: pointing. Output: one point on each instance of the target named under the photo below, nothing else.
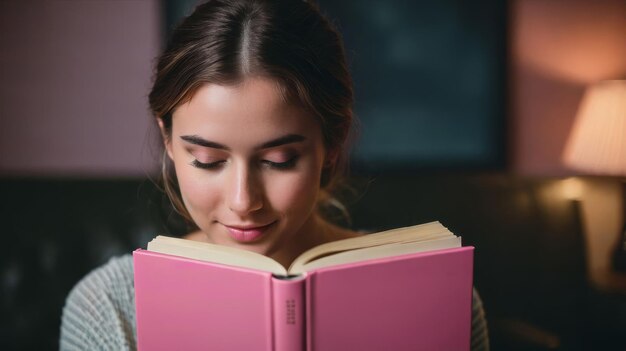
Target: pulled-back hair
(226, 41)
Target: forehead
(254, 103)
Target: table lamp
(597, 142)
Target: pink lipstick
(247, 234)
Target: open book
(403, 289)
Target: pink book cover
(419, 301)
(177, 301)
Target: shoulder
(99, 311)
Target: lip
(247, 233)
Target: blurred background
(504, 120)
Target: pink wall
(558, 48)
(74, 76)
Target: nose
(245, 193)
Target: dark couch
(529, 261)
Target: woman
(254, 102)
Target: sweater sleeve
(99, 312)
(480, 335)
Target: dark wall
(54, 232)
(430, 82)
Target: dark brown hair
(289, 41)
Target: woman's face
(248, 165)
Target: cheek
(198, 194)
(294, 194)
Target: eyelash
(289, 164)
(211, 165)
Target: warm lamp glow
(597, 143)
(572, 188)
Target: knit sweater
(99, 312)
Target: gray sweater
(99, 313)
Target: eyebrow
(283, 140)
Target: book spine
(288, 313)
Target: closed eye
(289, 164)
(210, 165)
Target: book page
(381, 251)
(342, 251)
(215, 253)
(421, 232)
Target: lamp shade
(597, 142)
